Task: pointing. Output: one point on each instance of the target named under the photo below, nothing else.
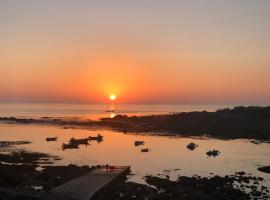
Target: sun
(112, 97)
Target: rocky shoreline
(20, 179)
(237, 186)
(239, 122)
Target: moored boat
(138, 143)
(145, 150)
(213, 153)
(70, 146)
(49, 139)
(79, 141)
(98, 137)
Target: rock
(265, 169)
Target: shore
(31, 175)
(20, 179)
(196, 187)
(236, 123)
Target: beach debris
(98, 138)
(213, 153)
(70, 146)
(49, 139)
(138, 143)
(79, 141)
(145, 150)
(191, 146)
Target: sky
(143, 51)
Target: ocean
(95, 111)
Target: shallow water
(168, 155)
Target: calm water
(168, 155)
(94, 111)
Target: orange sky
(189, 53)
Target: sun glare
(112, 97)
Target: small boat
(98, 137)
(138, 143)
(213, 153)
(49, 139)
(70, 146)
(109, 111)
(145, 150)
(79, 141)
(191, 146)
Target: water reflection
(167, 153)
(112, 110)
(112, 107)
(112, 115)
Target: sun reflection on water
(112, 115)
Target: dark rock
(265, 169)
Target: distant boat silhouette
(48, 139)
(109, 111)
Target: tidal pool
(168, 155)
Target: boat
(145, 150)
(79, 141)
(138, 143)
(48, 139)
(213, 153)
(111, 111)
(70, 146)
(191, 146)
(98, 137)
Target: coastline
(240, 184)
(236, 123)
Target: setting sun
(112, 97)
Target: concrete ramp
(87, 185)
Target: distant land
(251, 122)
